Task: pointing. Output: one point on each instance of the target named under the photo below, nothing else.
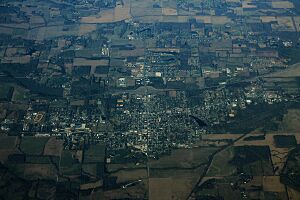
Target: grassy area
(33, 145)
(220, 165)
(253, 160)
(7, 142)
(6, 92)
(290, 121)
(184, 158)
(11, 91)
(285, 141)
(95, 153)
(69, 166)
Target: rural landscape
(150, 99)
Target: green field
(33, 145)
(94, 154)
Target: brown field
(176, 172)
(53, 147)
(130, 166)
(176, 181)
(139, 191)
(221, 136)
(169, 188)
(220, 20)
(291, 71)
(268, 19)
(293, 194)
(268, 141)
(284, 24)
(182, 19)
(93, 185)
(174, 176)
(159, 188)
(204, 19)
(177, 186)
(116, 14)
(217, 140)
(169, 11)
(210, 143)
(183, 158)
(130, 175)
(17, 59)
(86, 28)
(39, 171)
(282, 4)
(256, 181)
(272, 184)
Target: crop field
(170, 188)
(290, 122)
(160, 188)
(53, 147)
(220, 165)
(176, 174)
(126, 166)
(94, 154)
(130, 175)
(116, 14)
(292, 193)
(284, 24)
(8, 146)
(68, 165)
(184, 158)
(33, 145)
(218, 186)
(169, 11)
(221, 136)
(291, 71)
(39, 171)
(282, 4)
(139, 191)
(181, 171)
(272, 184)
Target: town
(115, 99)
